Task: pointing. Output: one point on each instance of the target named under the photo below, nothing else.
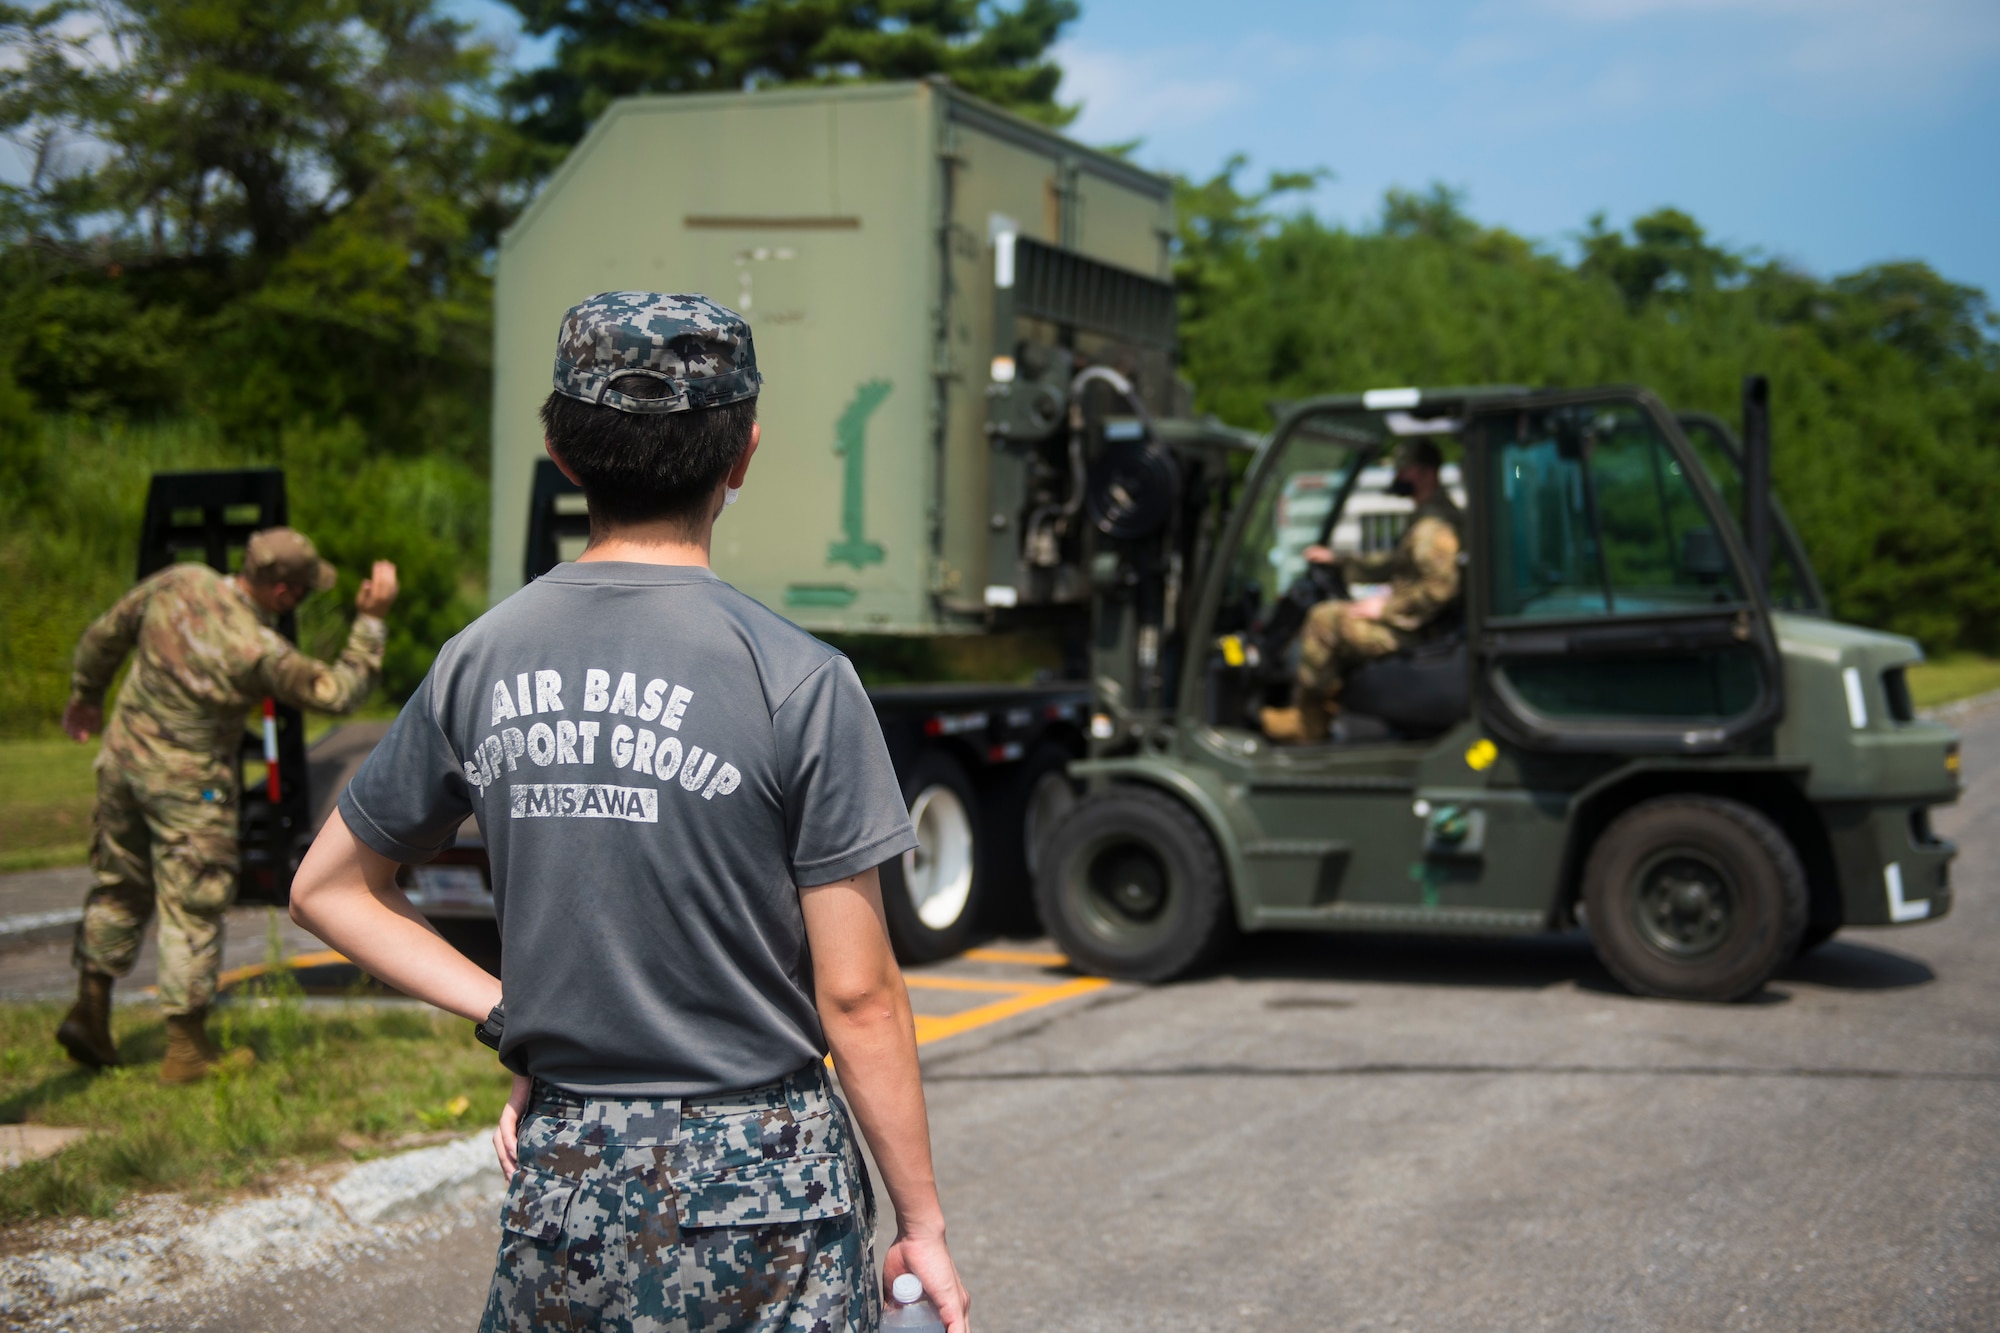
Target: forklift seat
(1414, 695)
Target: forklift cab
(1607, 601)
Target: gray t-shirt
(658, 764)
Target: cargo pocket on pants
(537, 1206)
(530, 1289)
(790, 1189)
(779, 1238)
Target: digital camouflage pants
(1333, 643)
(742, 1212)
(167, 842)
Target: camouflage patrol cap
(699, 351)
(284, 555)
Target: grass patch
(46, 790)
(327, 1085)
(1954, 676)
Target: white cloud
(1138, 94)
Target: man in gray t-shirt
(685, 799)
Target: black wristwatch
(494, 1027)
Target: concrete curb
(411, 1184)
(35, 927)
(170, 1248)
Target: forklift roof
(1449, 400)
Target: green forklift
(1641, 719)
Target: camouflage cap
(284, 555)
(1418, 453)
(700, 352)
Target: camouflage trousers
(1333, 643)
(747, 1212)
(170, 842)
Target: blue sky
(1830, 133)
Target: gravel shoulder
(163, 1261)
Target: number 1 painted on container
(850, 441)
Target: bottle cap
(908, 1289)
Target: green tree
(262, 209)
(607, 49)
(1910, 307)
(1668, 253)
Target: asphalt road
(1369, 1134)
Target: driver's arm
(1374, 568)
(1360, 568)
(1434, 550)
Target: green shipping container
(858, 230)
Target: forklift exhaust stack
(1757, 477)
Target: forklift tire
(931, 895)
(1132, 887)
(1694, 898)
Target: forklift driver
(1424, 589)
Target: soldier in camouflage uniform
(1424, 586)
(205, 656)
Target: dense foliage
(1885, 383)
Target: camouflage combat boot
(1305, 724)
(191, 1055)
(86, 1032)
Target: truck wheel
(1132, 887)
(1694, 898)
(931, 895)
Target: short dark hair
(644, 467)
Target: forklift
(1643, 719)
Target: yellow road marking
(1016, 956)
(322, 958)
(930, 1029)
(967, 983)
(1022, 997)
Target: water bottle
(909, 1308)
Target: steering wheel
(1315, 584)
(1287, 616)
(1318, 583)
